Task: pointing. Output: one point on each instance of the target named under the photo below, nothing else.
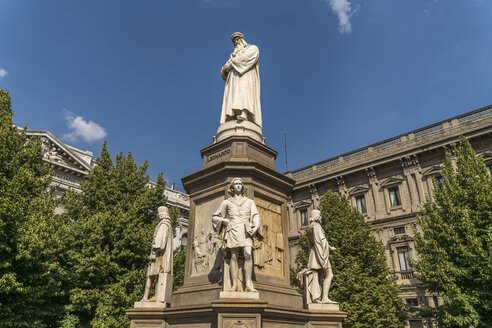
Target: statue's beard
(239, 46)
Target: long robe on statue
(242, 89)
(319, 251)
(163, 247)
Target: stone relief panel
(269, 254)
(207, 245)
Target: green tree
(179, 254)
(30, 293)
(362, 283)
(111, 224)
(179, 258)
(455, 244)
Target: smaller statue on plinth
(238, 220)
(159, 272)
(316, 294)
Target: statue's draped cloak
(319, 248)
(163, 247)
(242, 89)
(241, 215)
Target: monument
(316, 294)
(240, 220)
(159, 272)
(237, 271)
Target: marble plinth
(149, 305)
(240, 295)
(334, 306)
(239, 128)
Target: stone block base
(150, 304)
(235, 313)
(240, 295)
(324, 306)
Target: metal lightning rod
(285, 143)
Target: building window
(399, 230)
(404, 258)
(304, 217)
(489, 168)
(416, 323)
(361, 204)
(440, 181)
(412, 301)
(394, 194)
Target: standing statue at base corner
(238, 220)
(160, 267)
(242, 90)
(318, 264)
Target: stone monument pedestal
(240, 295)
(234, 313)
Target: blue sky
(335, 74)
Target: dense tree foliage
(178, 267)
(30, 275)
(110, 225)
(455, 245)
(362, 283)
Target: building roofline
(463, 117)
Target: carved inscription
(219, 155)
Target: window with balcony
(394, 194)
(361, 204)
(304, 217)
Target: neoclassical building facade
(71, 166)
(388, 182)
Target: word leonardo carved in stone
(238, 220)
(219, 155)
(242, 90)
(159, 271)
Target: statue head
(315, 216)
(237, 39)
(163, 213)
(236, 185)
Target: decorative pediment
(302, 204)
(62, 156)
(431, 170)
(391, 181)
(358, 190)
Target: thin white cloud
(80, 128)
(343, 10)
(3, 73)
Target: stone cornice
(429, 138)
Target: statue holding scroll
(238, 220)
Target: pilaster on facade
(342, 188)
(315, 199)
